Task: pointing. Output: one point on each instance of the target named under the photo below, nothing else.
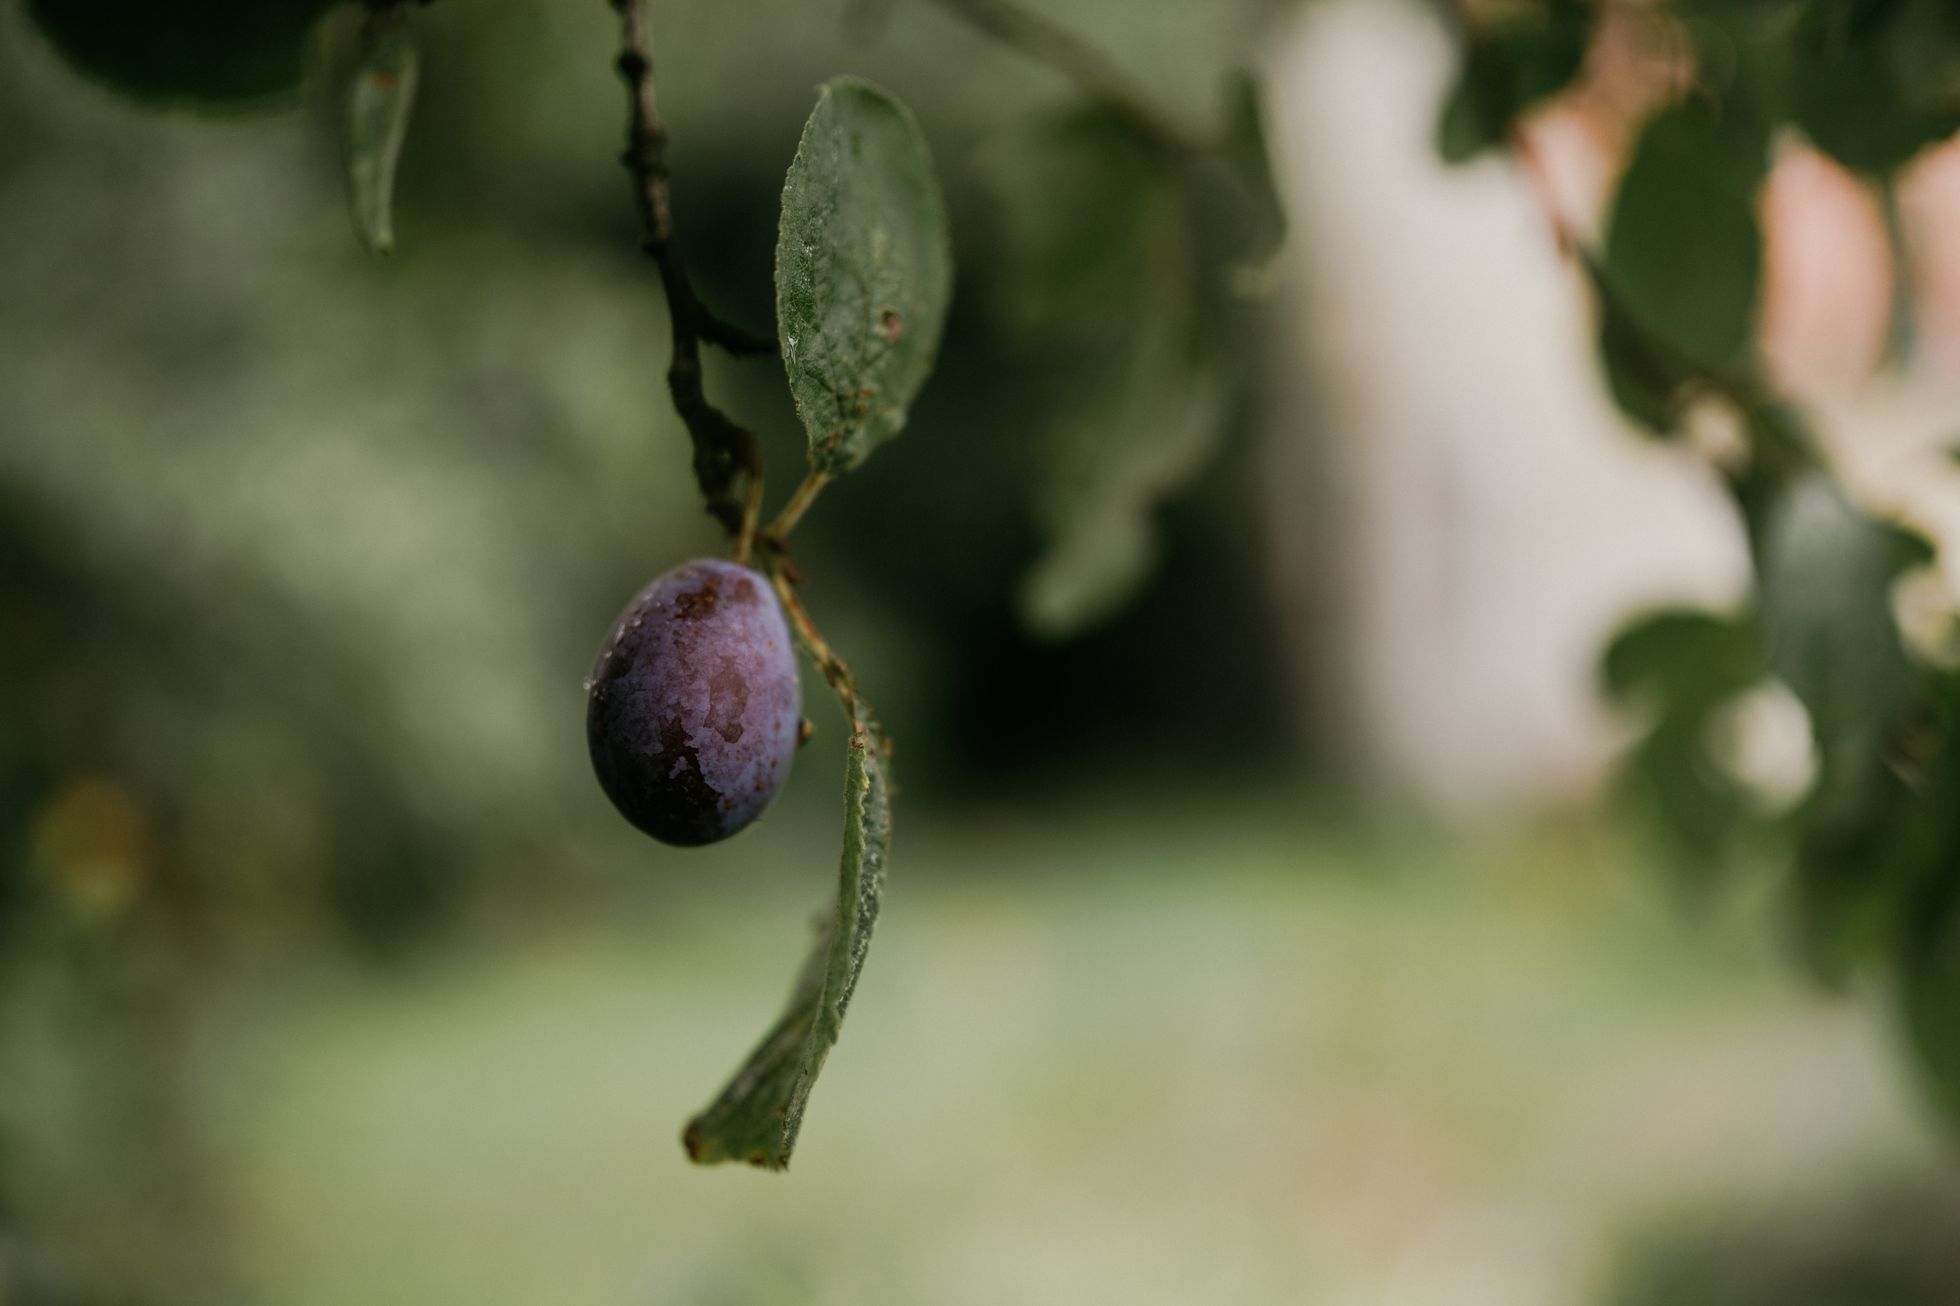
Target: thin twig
(1045, 41)
(799, 503)
(834, 671)
(723, 449)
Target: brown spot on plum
(696, 605)
(891, 325)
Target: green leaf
(1874, 85)
(1644, 382)
(1122, 453)
(379, 102)
(758, 1114)
(864, 272)
(1084, 201)
(1683, 252)
(210, 52)
(1104, 277)
(1682, 667)
(1929, 998)
(1509, 68)
(1826, 576)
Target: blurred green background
(328, 976)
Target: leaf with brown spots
(864, 272)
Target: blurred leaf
(1874, 84)
(1645, 383)
(1084, 201)
(1682, 667)
(1683, 252)
(1260, 215)
(1826, 576)
(1929, 995)
(758, 1114)
(1508, 67)
(379, 103)
(864, 271)
(1151, 437)
(215, 52)
(1105, 275)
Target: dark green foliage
(1134, 261)
(1683, 253)
(1507, 69)
(205, 52)
(1872, 84)
(1680, 669)
(1929, 977)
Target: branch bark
(724, 451)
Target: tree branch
(723, 450)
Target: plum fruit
(693, 708)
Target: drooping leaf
(758, 1114)
(1126, 450)
(1103, 273)
(206, 52)
(1683, 251)
(1508, 68)
(864, 271)
(379, 102)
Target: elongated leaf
(1683, 250)
(208, 52)
(758, 1114)
(379, 103)
(864, 271)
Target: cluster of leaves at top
(1875, 845)
(863, 280)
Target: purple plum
(693, 708)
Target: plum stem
(835, 673)
(723, 449)
(799, 503)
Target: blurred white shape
(1763, 740)
(1461, 518)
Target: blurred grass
(1203, 1057)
